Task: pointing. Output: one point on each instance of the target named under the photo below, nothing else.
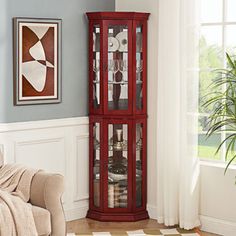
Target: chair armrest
(46, 192)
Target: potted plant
(223, 108)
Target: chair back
(1, 157)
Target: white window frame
(224, 23)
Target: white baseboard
(76, 213)
(217, 226)
(208, 224)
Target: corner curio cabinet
(118, 115)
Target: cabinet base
(125, 217)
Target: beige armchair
(45, 196)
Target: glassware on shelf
(96, 142)
(139, 66)
(138, 165)
(96, 169)
(122, 159)
(139, 69)
(118, 146)
(117, 164)
(113, 66)
(96, 69)
(124, 146)
(110, 143)
(123, 68)
(139, 143)
(117, 170)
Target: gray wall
(74, 56)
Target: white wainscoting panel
(58, 146)
(82, 189)
(38, 152)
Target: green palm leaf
(222, 106)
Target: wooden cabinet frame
(130, 116)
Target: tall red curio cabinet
(118, 115)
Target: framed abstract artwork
(37, 65)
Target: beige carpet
(143, 232)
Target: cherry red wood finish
(131, 116)
(118, 15)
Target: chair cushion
(42, 220)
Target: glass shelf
(118, 146)
(96, 82)
(120, 82)
(123, 146)
(116, 177)
(118, 52)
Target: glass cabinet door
(96, 164)
(140, 68)
(117, 166)
(139, 164)
(118, 57)
(95, 67)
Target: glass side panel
(96, 66)
(117, 166)
(139, 67)
(117, 67)
(96, 164)
(139, 157)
